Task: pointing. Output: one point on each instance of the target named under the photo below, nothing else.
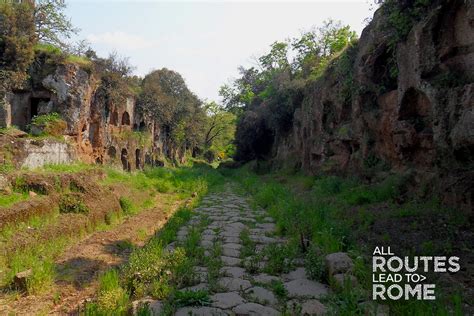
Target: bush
(72, 203)
(126, 205)
(47, 124)
(112, 297)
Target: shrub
(126, 205)
(192, 298)
(112, 298)
(314, 264)
(72, 203)
(47, 124)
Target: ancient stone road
(235, 291)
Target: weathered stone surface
(254, 309)
(265, 278)
(230, 252)
(4, 185)
(338, 262)
(154, 307)
(20, 280)
(306, 288)
(299, 273)
(261, 295)
(234, 284)
(230, 261)
(200, 311)
(226, 300)
(235, 272)
(372, 308)
(306, 307)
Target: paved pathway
(235, 237)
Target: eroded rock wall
(419, 122)
(99, 130)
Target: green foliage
(126, 205)
(49, 124)
(10, 199)
(51, 24)
(266, 98)
(218, 133)
(280, 258)
(314, 264)
(278, 288)
(165, 96)
(112, 299)
(72, 203)
(17, 39)
(191, 298)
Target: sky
(204, 41)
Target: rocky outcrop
(411, 111)
(99, 129)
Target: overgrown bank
(397, 99)
(40, 244)
(327, 214)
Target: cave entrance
(112, 152)
(148, 160)
(114, 118)
(125, 118)
(35, 105)
(137, 159)
(124, 159)
(416, 110)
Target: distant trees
(219, 129)
(165, 97)
(265, 97)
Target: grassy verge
(322, 215)
(179, 183)
(153, 270)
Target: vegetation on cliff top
(265, 97)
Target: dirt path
(78, 266)
(242, 287)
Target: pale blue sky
(204, 41)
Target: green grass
(35, 222)
(191, 298)
(325, 214)
(66, 168)
(14, 197)
(112, 299)
(152, 270)
(127, 206)
(40, 259)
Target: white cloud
(121, 40)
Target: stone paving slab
(238, 291)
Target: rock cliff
(99, 129)
(406, 107)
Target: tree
(17, 39)
(265, 98)
(51, 24)
(165, 97)
(219, 128)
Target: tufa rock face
(98, 129)
(418, 116)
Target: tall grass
(313, 213)
(152, 270)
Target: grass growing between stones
(39, 257)
(153, 270)
(326, 214)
